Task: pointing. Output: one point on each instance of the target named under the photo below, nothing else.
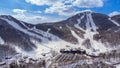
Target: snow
(47, 34)
(90, 21)
(88, 27)
(96, 45)
(46, 48)
(76, 36)
(1, 41)
(117, 30)
(118, 66)
(24, 25)
(48, 30)
(57, 45)
(16, 26)
(114, 22)
(79, 21)
(60, 27)
(81, 62)
(80, 40)
(43, 47)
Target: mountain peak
(85, 11)
(91, 20)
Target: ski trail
(114, 22)
(96, 45)
(79, 21)
(93, 26)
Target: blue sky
(38, 11)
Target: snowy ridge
(16, 26)
(43, 47)
(45, 34)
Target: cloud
(88, 3)
(66, 7)
(20, 14)
(43, 2)
(61, 9)
(19, 11)
(38, 11)
(114, 13)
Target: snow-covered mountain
(89, 29)
(94, 32)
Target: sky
(42, 11)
